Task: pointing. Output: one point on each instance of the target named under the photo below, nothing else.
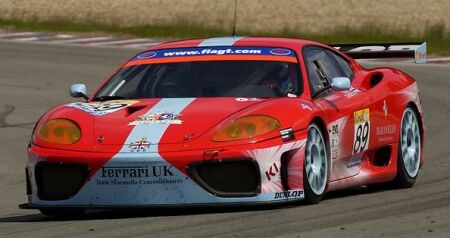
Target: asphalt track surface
(35, 77)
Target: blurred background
(338, 21)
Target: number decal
(102, 108)
(365, 135)
(357, 142)
(362, 131)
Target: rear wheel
(408, 160)
(315, 169)
(62, 212)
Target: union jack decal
(141, 145)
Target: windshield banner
(213, 53)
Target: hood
(162, 121)
(134, 125)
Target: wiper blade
(108, 98)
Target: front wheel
(408, 159)
(315, 169)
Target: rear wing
(385, 50)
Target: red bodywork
(182, 145)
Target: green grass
(435, 36)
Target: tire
(315, 169)
(62, 212)
(409, 150)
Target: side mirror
(340, 83)
(78, 91)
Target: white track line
(65, 36)
(84, 40)
(438, 59)
(125, 42)
(145, 45)
(73, 39)
(34, 38)
(137, 43)
(19, 34)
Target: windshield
(186, 77)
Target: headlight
(59, 131)
(247, 127)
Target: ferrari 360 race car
(233, 120)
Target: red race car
(233, 120)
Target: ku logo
(140, 145)
(272, 172)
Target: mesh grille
(229, 178)
(57, 181)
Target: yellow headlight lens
(59, 131)
(247, 127)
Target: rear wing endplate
(385, 50)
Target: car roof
(282, 42)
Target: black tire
(318, 158)
(410, 137)
(62, 212)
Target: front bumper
(165, 179)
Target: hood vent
(133, 109)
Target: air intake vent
(57, 181)
(228, 178)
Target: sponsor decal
(280, 51)
(386, 130)
(137, 175)
(355, 161)
(305, 106)
(419, 50)
(385, 139)
(101, 108)
(141, 145)
(334, 141)
(137, 171)
(159, 117)
(287, 134)
(361, 130)
(147, 55)
(420, 57)
(352, 92)
(211, 51)
(207, 51)
(289, 194)
(376, 48)
(247, 99)
(386, 133)
(210, 154)
(272, 171)
(266, 157)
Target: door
(347, 112)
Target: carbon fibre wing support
(415, 50)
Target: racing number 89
(362, 133)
